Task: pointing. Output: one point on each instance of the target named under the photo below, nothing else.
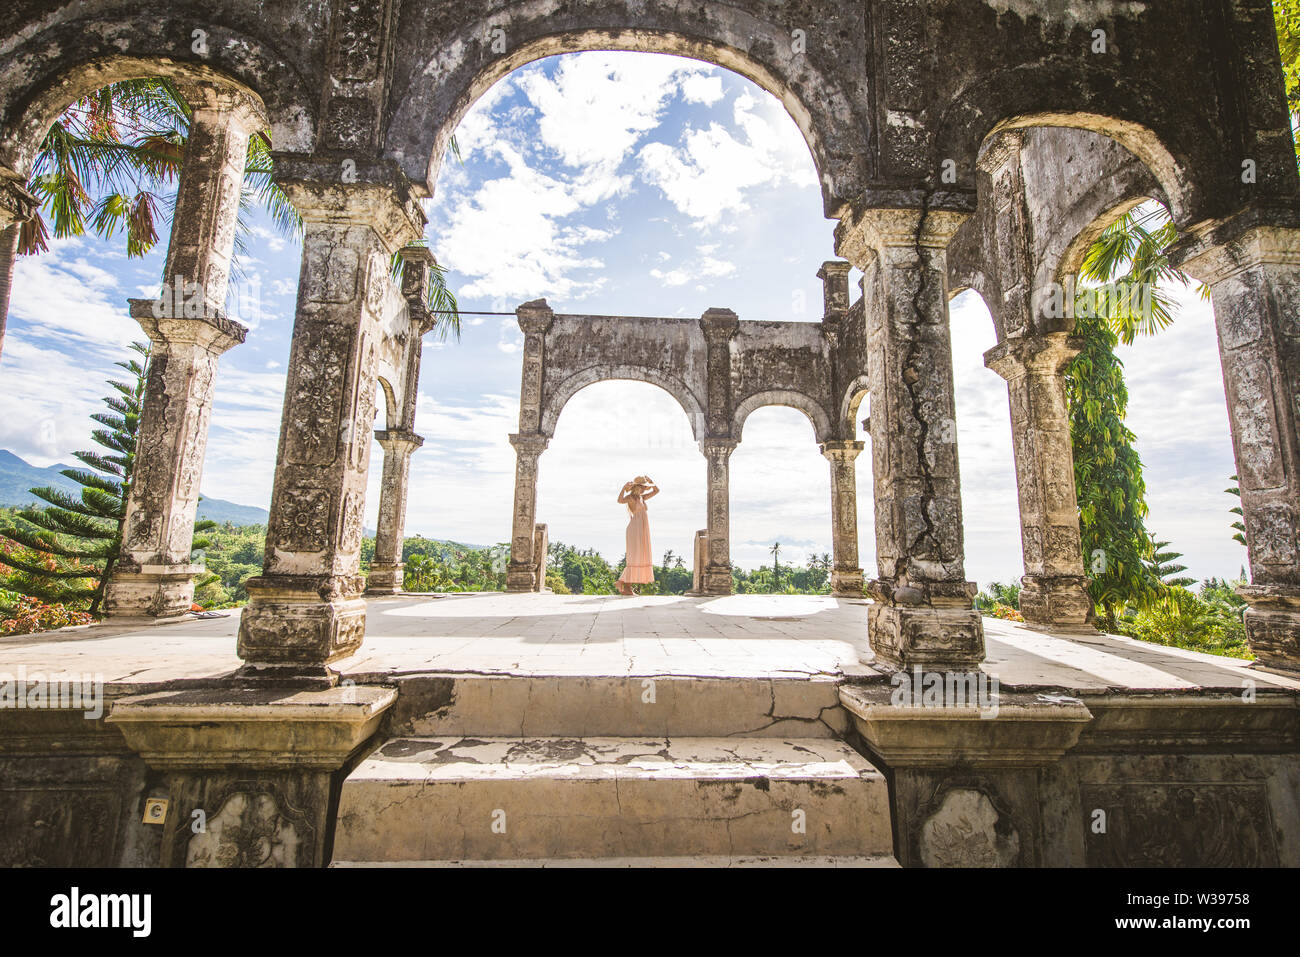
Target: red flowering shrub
(34, 615)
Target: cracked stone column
(385, 576)
(1054, 588)
(846, 576)
(306, 608)
(154, 575)
(923, 613)
(535, 319)
(521, 574)
(717, 569)
(1253, 270)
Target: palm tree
(775, 551)
(106, 164)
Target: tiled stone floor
(741, 636)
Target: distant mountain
(17, 476)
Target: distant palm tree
(776, 567)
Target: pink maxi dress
(640, 566)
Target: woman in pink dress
(640, 566)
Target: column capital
(719, 324)
(398, 441)
(1046, 354)
(864, 231)
(165, 322)
(344, 191)
(231, 105)
(529, 443)
(846, 449)
(834, 275)
(1227, 247)
(535, 317)
(712, 447)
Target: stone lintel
(1022, 731)
(161, 322)
(1047, 354)
(215, 728)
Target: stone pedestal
(247, 777)
(701, 557)
(385, 576)
(716, 579)
(521, 574)
(154, 576)
(1253, 270)
(306, 608)
(1054, 590)
(846, 576)
(923, 612)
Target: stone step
(886, 860)
(484, 799)
(669, 706)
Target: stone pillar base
(846, 583)
(385, 578)
(1273, 625)
(717, 580)
(520, 577)
(257, 763)
(1057, 602)
(296, 626)
(933, 639)
(156, 591)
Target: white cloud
(710, 174)
(702, 89)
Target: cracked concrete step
(696, 861)
(670, 706)
(483, 799)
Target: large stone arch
(438, 83)
(558, 396)
(818, 417)
(79, 47)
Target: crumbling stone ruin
(960, 144)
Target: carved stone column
(1254, 273)
(923, 613)
(846, 576)
(719, 327)
(154, 575)
(306, 608)
(385, 576)
(1054, 590)
(717, 569)
(521, 574)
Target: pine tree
(74, 541)
(1165, 568)
(1239, 530)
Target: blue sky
(633, 184)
